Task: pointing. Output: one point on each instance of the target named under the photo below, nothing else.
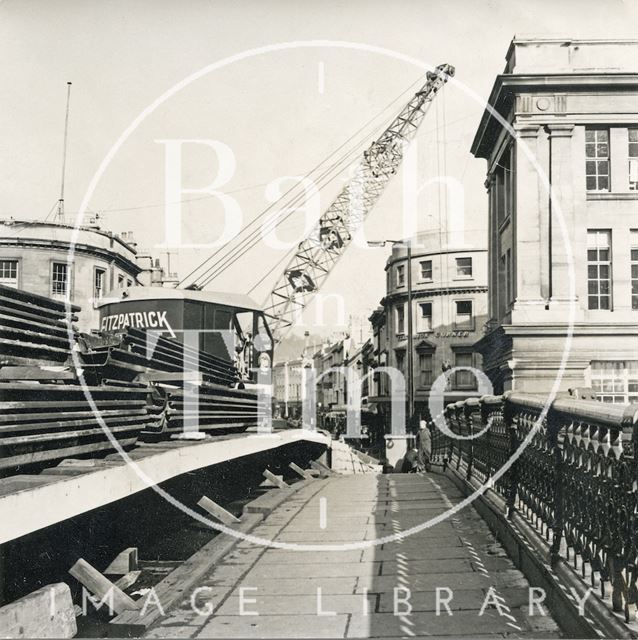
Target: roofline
(42, 223)
(79, 248)
(135, 294)
(392, 259)
(548, 81)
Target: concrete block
(45, 613)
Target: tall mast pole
(66, 133)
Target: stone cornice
(561, 329)
(416, 255)
(83, 249)
(429, 293)
(507, 85)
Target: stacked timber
(46, 414)
(191, 389)
(34, 330)
(134, 354)
(209, 408)
(49, 422)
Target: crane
(315, 256)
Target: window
(425, 370)
(98, 283)
(60, 279)
(400, 319)
(505, 277)
(597, 159)
(615, 381)
(599, 269)
(9, 273)
(463, 318)
(400, 275)
(120, 281)
(129, 282)
(464, 379)
(633, 159)
(425, 316)
(426, 270)
(634, 269)
(464, 267)
(509, 290)
(503, 187)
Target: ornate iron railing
(569, 468)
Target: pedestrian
(410, 461)
(424, 446)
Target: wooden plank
(276, 480)
(302, 472)
(127, 580)
(83, 464)
(180, 581)
(124, 562)
(217, 511)
(102, 587)
(322, 469)
(34, 373)
(45, 613)
(41, 456)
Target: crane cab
(230, 326)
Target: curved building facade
(449, 309)
(34, 256)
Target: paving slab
(421, 552)
(312, 570)
(282, 626)
(285, 556)
(323, 593)
(310, 604)
(462, 623)
(304, 586)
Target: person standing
(424, 446)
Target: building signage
(138, 320)
(451, 334)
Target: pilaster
(527, 240)
(562, 215)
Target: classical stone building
(449, 310)
(34, 256)
(287, 387)
(563, 113)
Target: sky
(281, 112)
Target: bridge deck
(290, 588)
(32, 502)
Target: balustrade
(568, 467)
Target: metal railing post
(470, 443)
(512, 431)
(556, 443)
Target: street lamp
(408, 246)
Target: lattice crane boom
(315, 257)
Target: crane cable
(288, 192)
(256, 236)
(227, 261)
(238, 250)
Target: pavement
(334, 581)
